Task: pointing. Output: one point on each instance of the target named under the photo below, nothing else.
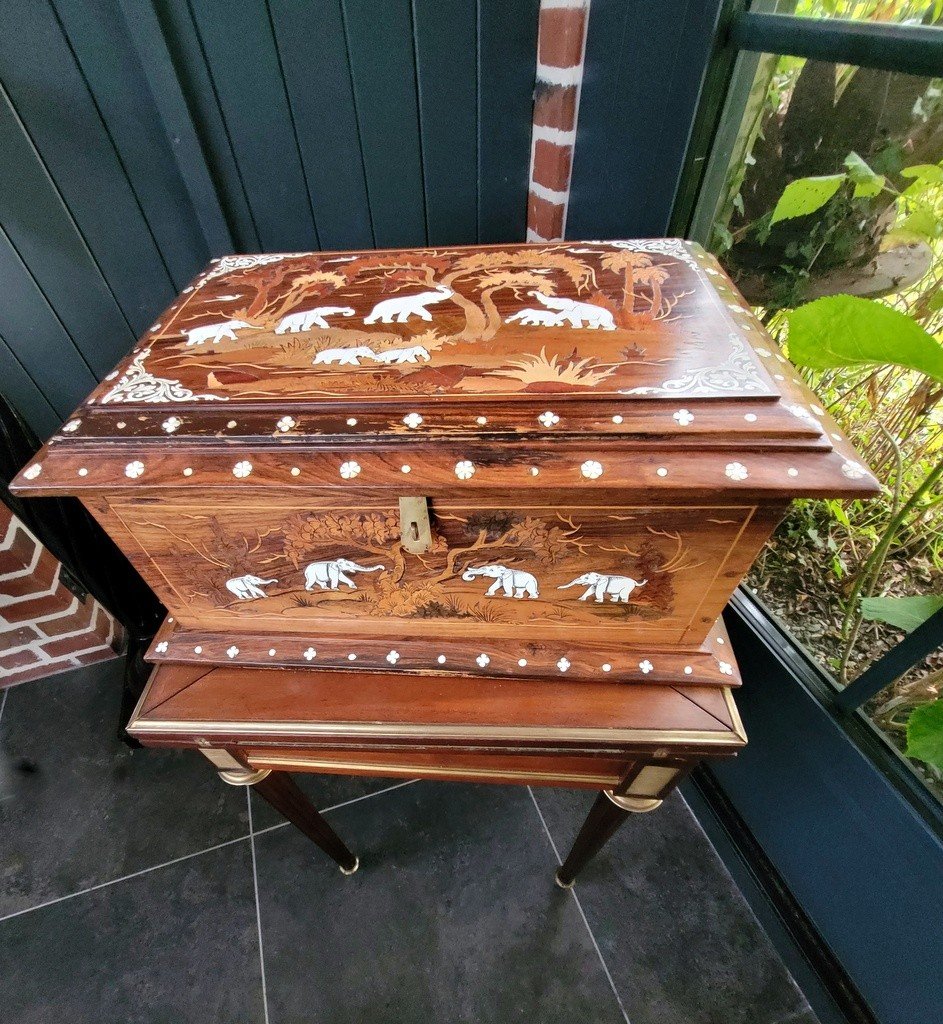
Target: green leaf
(928, 172)
(905, 613)
(922, 223)
(843, 330)
(925, 733)
(868, 183)
(806, 195)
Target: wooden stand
(632, 743)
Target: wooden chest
(594, 440)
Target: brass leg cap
(561, 883)
(350, 871)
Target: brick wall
(44, 627)
(561, 46)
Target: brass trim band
(244, 776)
(635, 804)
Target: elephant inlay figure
(413, 354)
(304, 320)
(599, 584)
(248, 587)
(575, 313)
(401, 307)
(515, 582)
(329, 575)
(344, 356)
(216, 332)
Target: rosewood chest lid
(627, 363)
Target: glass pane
(901, 12)
(866, 231)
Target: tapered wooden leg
(280, 790)
(604, 818)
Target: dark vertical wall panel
(379, 38)
(46, 87)
(116, 80)
(641, 84)
(246, 73)
(446, 44)
(506, 100)
(322, 102)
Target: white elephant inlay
(515, 582)
(401, 307)
(414, 354)
(598, 585)
(344, 356)
(304, 320)
(330, 574)
(216, 332)
(534, 318)
(248, 587)
(577, 314)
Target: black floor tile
(680, 942)
(323, 791)
(453, 916)
(78, 807)
(171, 946)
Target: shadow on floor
(137, 887)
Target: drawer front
(611, 573)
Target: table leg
(281, 791)
(604, 818)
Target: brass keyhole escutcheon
(414, 527)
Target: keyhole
(414, 528)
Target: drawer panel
(615, 574)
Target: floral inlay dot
(549, 419)
(563, 664)
(683, 417)
(285, 424)
(134, 469)
(646, 666)
(349, 470)
(172, 424)
(736, 471)
(393, 657)
(464, 470)
(71, 426)
(33, 471)
(412, 420)
(483, 660)
(591, 469)
(853, 470)
(242, 469)
(726, 669)
(232, 651)
(310, 654)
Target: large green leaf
(903, 612)
(843, 330)
(925, 733)
(926, 172)
(867, 182)
(806, 195)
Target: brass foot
(635, 804)
(561, 883)
(350, 871)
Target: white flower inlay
(134, 469)
(548, 418)
(465, 470)
(591, 469)
(310, 654)
(271, 652)
(351, 421)
(349, 470)
(351, 657)
(412, 420)
(405, 469)
(71, 426)
(198, 649)
(483, 660)
(172, 423)
(161, 647)
(853, 470)
(661, 471)
(683, 417)
(736, 471)
(646, 666)
(33, 471)
(617, 419)
(295, 471)
(242, 469)
(83, 471)
(688, 670)
(285, 424)
(522, 662)
(393, 657)
(563, 664)
(726, 669)
(801, 412)
(763, 352)
(607, 667)
(792, 471)
(481, 420)
(441, 659)
(188, 471)
(232, 651)
(231, 424)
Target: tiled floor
(134, 886)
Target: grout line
(123, 878)
(258, 911)
(579, 907)
(3, 701)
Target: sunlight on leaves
(806, 195)
(925, 733)
(905, 613)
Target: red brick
(546, 219)
(20, 553)
(78, 619)
(28, 610)
(552, 165)
(73, 644)
(18, 637)
(555, 106)
(23, 675)
(8, 662)
(39, 580)
(560, 42)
